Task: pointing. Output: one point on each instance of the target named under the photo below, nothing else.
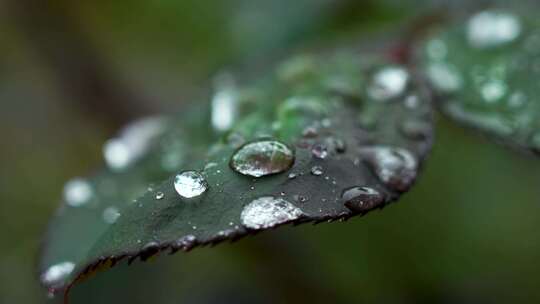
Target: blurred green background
(72, 72)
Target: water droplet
(388, 83)
(517, 100)
(261, 158)
(317, 170)
(190, 184)
(292, 175)
(132, 142)
(57, 273)
(266, 212)
(224, 103)
(490, 29)
(362, 199)
(160, 195)
(185, 243)
(300, 198)
(493, 90)
(77, 192)
(444, 77)
(396, 167)
(412, 101)
(110, 215)
(319, 151)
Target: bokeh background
(73, 72)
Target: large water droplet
(57, 273)
(77, 192)
(388, 83)
(268, 211)
(110, 215)
(261, 158)
(362, 199)
(396, 167)
(491, 28)
(190, 184)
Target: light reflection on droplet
(268, 211)
(190, 184)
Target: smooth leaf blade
(359, 129)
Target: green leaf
(322, 139)
(485, 70)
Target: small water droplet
(492, 28)
(412, 101)
(55, 274)
(361, 199)
(388, 83)
(185, 243)
(132, 142)
(190, 184)
(317, 170)
(319, 151)
(268, 211)
(110, 215)
(444, 77)
(493, 90)
(261, 158)
(292, 175)
(300, 198)
(396, 167)
(160, 195)
(77, 192)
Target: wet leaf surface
(484, 71)
(322, 138)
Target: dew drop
(491, 29)
(110, 215)
(57, 273)
(77, 192)
(396, 167)
(317, 170)
(132, 142)
(190, 184)
(185, 243)
(268, 211)
(444, 77)
(319, 151)
(361, 199)
(388, 83)
(261, 158)
(292, 175)
(160, 195)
